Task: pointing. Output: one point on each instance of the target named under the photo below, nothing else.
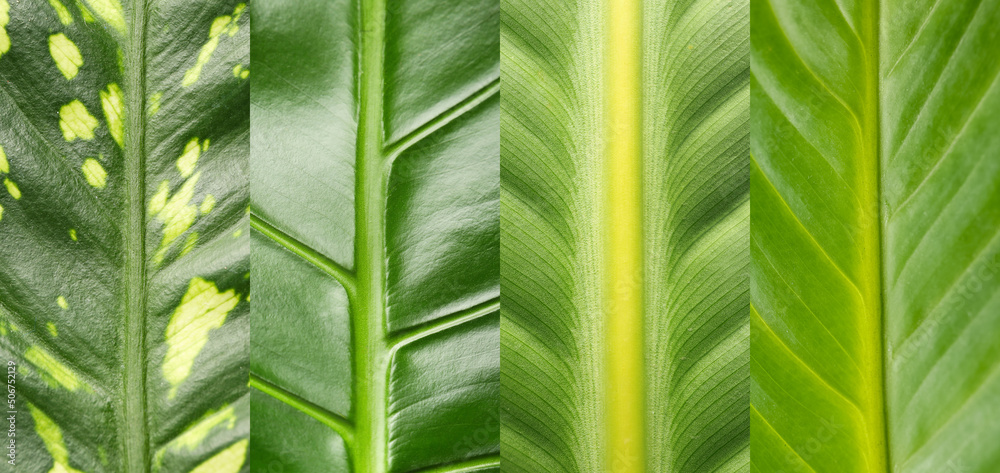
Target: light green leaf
(375, 344)
(625, 215)
(127, 328)
(875, 244)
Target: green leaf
(122, 290)
(875, 244)
(625, 220)
(375, 206)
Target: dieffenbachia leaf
(876, 236)
(123, 147)
(375, 164)
(625, 236)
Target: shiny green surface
(375, 193)
(876, 209)
(93, 270)
(695, 216)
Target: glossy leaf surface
(123, 148)
(375, 344)
(566, 217)
(875, 236)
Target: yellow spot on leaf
(177, 216)
(53, 371)
(192, 241)
(85, 13)
(66, 55)
(193, 437)
(189, 159)
(203, 308)
(154, 103)
(1, 212)
(76, 122)
(52, 329)
(72, 234)
(52, 438)
(15, 192)
(238, 233)
(111, 12)
(4, 20)
(3, 329)
(222, 24)
(229, 460)
(64, 15)
(244, 74)
(159, 200)
(4, 165)
(95, 173)
(62, 302)
(208, 204)
(111, 102)
(237, 70)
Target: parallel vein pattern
(875, 236)
(695, 215)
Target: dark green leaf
(124, 140)
(375, 203)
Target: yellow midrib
(623, 221)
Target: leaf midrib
(136, 437)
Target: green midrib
(875, 293)
(368, 314)
(136, 436)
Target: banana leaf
(123, 321)
(625, 241)
(375, 202)
(875, 247)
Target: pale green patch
(4, 165)
(1, 212)
(95, 173)
(111, 12)
(52, 438)
(64, 15)
(238, 233)
(208, 204)
(53, 372)
(12, 188)
(189, 158)
(223, 24)
(159, 200)
(111, 102)
(229, 460)
(4, 20)
(203, 308)
(66, 55)
(177, 216)
(204, 145)
(76, 122)
(102, 455)
(52, 329)
(192, 241)
(72, 234)
(88, 17)
(154, 103)
(3, 329)
(62, 302)
(194, 436)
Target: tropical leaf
(375, 194)
(625, 219)
(123, 152)
(875, 244)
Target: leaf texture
(557, 205)
(874, 236)
(376, 243)
(123, 151)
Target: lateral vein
(342, 275)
